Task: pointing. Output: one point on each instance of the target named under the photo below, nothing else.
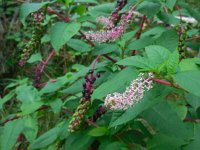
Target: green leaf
(165, 120)
(151, 98)
(193, 100)
(30, 127)
(172, 62)
(195, 143)
(136, 61)
(79, 45)
(46, 139)
(54, 86)
(189, 64)
(105, 49)
(56, 105)
(170, 4)
(141, 43)
(62, 32)
(98, 131)
(116, 83)
(34, 58)
(27, 94)
(168, 39)
(78, 141)
(157, 55)
(87, 1)
(114, 146)
(163, 142)
(168, 18)
(101, 10)
(30, 98)
(6, 98)
(28, 8)
(11, 131)
(179, 107)
(189, 80)
(149, 8)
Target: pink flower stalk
(132, 95)
(105, 21)
(114, 32)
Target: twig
(9, 119)
(19, 139)
(40, 68)
(181, 25)
(95, 61)
(191, 120)
(19, 116)
(161, 82)
(139, 32)
(167, 83)
(193, 38)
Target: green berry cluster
(33, 44)
(78, 116)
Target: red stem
(19, 116)
(19, 140)
(138, 34)
(162, 82)
(40, 68)
(181, 25)
(95, 61)
(9, 119)
(191, 120)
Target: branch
(19, 139)
(161, 82)
(9, 119)
(191, 120)
(19, 116)
(138, 34)
(40, 68)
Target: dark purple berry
(86, 77)
(94, 79)
(91, 71)
(84, 85)
(97, 75)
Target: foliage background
(156, 124)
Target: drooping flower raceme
(112, 32)
(132, 95)
(34, 42)
(105, 21)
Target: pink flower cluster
(105, 21)
(132, 95)
(112, 32)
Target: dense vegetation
(89, 74)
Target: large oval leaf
(62, 32)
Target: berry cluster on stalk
(99, 112)
(79, 115)
(115, 14)
(34, 42)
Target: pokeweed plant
(147, 96)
